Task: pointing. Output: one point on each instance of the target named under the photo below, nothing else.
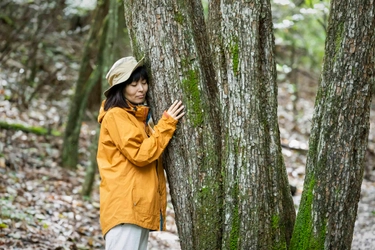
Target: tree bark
(340, 130)
(258, 207)
(224, 165)
(192, 159)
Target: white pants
(127, 237)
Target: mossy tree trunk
(225, 168)
(69, 158)
(258, 208)
(340, 130)
(181, 70)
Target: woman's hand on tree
(176, 110)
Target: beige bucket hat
(121, 71)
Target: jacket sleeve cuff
(169, 118)
(165, 114)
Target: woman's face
(136, 92)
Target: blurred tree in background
(40, 46)
(88, 77)
(300, 32)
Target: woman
(133, 186)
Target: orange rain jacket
(133, 186)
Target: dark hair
(115, 96)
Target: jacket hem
(143, 225)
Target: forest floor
(41, 206)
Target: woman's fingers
(180, 115)
(179, 112)
(174, 105)
(175, 110)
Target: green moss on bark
(280, 245)
(303, 226)
(137, 51)
(209, 204)
(275, 221)
(234, 49)
(303, 236)
(29, 129)
(190, 86)
(338, 39)
(179, 18)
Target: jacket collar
(139, 111)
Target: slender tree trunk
(91, 169)
(78, 104)
(109, 36)
(340, 130)
(95, 77)
(224, 165)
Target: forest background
(41, 46)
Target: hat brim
(125, 77)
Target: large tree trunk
(224, 165)
(192, 160)
(340, 129)
(258, 208)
